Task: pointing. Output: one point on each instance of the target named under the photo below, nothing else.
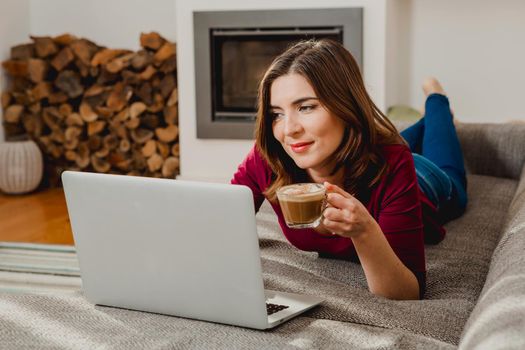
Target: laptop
(181, 248)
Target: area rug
(38, 268)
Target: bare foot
(432, 86)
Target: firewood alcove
(93, 108)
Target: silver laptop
(181, 248)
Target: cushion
(489, 149)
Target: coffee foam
(302, 193)
(301, 189)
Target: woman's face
(308, 132)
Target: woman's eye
(306, 108)
(277, 116)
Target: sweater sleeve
(253, 172)
(400, 217)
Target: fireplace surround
(234, 48)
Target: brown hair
(335, 77)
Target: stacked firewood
(96, 109)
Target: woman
(316, 123)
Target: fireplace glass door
(239, 58)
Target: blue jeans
(438, 158)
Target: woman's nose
(291, 125)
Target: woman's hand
(345, 215)
(386, 275)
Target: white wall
(111, 23)
(397, 48)
(477, 49)
(14, 29)
(218, 159)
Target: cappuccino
(302, 204)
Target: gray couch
(475, 297)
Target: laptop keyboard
(273, 308)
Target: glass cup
(302, 204)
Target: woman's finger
(337, 227)
(338, 201)
(334, 214)
(336, 189)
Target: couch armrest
(498, 319)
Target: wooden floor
(39, 217)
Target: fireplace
(234, 48)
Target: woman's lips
(301, 146)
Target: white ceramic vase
(21, 166)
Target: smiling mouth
(300, 146)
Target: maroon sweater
(404, 213)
